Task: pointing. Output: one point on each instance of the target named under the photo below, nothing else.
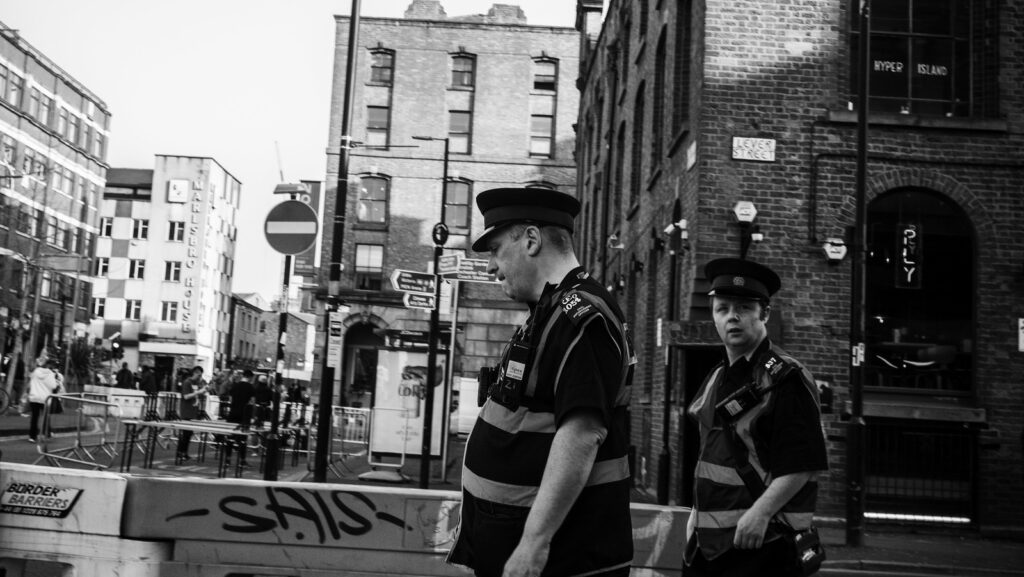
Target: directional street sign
(475, 270)
(291, 227)
(448, 264)
(417, 301)
(409, 281)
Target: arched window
(372, 200)
(920, 294)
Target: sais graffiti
(333, 514)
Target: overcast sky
(219, 78)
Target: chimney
(506, 14)
(425, 10)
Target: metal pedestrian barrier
(93, 442)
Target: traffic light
(116, 350)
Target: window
(542, 125)
(140, 228)
(636, 159)
(382, 65)
(377, 125)
(658, 110)
(106, 226)
(61, 236)
(7, 151)
(369, 266)
(456, 206)
(99, 307)
(133, 309)
(681, 68)
(545, 75)
(73, 129)
(920, 294)
(372, 204)
(99, 145)
(620, 175)
(624, 50)
(51, 230)
(459, 131)
(924, 59)
(172, 271)
(15, 87)
(645, 13)
(462, 71)
(62, 121)
(175, 231)
(169, 311)
(102, 266)
(136, 268)
(45, 109)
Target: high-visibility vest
(721, 497)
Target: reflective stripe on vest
(716, 522)
(603, 472)
(520, 420)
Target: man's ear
(534, 239)
(766, 310)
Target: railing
(921, 471)
(93, 444)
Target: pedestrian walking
(193, 399)
(761, 441)
(240, 410)
(44, 381)
(546, 476)
(125, 377)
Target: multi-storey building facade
(164, 261)
(54, 133)
(709, 111)
(492, 100)
(247, 330)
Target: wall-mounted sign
(177, 191)
(908, 265)
(758, 149)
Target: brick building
(54, 133)
(500, 96)
(698, 110)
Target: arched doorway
(360, 365)
(920, 458)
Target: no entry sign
(291, 227)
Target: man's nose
(492, 267)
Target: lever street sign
(417, 301)
(291, 227)
(409, 281)
(448, 264)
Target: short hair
(197, 368)
(559, 237)
(247, 373)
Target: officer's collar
(571, 278)
(752, 357)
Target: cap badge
(738, 281)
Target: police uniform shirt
(789, 438)
(596, 534)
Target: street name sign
(291, 227)
(418, 301)
(410, 281)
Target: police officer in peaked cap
(546, 475)
(759, 406)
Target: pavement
(885, 550)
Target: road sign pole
(428, 418)
(273, 441)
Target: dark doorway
(360, 365)
(697, 363)
(163, 370)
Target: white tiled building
(164, 261)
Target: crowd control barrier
(97, 524)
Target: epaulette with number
(577, 306)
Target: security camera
(835, 250)
(679, 225)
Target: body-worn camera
(809, 551)
(741, 401)
(505, 384)
(751, 394)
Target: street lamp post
(440, 237)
